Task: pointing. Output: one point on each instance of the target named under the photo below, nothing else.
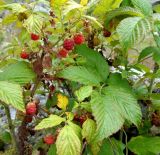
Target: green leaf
(83, 93)
(111, 147)
(52, 150)
(88, 130)
(95, 61)
(51, 121)
(144, 6)
(15, 7)
(132, 30)
(104, 6)
(19, 72)
(147, 52)
(11, 94)
(34, 23)
(71, 5)
(119, 100)
(8, 19)
(122, 11)
(156, 55)
(68, 143)
(144, 145)
(6, 137)
(80, 74)
(86, 106)
(76, 128)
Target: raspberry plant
(75, 73)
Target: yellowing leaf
(62, 101)
(84, 2)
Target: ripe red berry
(62, 53)
(68, 44)
(50, 139)
(31, 108)
(34, 36)
(106, 33)
(24, 55)
(79, 39)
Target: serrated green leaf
(51, 121)
(15, 7)
(122, 11)
(144, 145)
(94, 61)
(83, 93)
(11, 94)
(119, 100)
(86, 106)
(80, 74)
(71, 5)
(68, 142)
(76, 128)
(147, 52)
(88, 130)
(144, 6)
(132, 30)
(111, 147)
(156, 55)
(107, 121)
(34, 23)
(103, 6)
(19, 72)
(8, 19)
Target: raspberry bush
(80, 77)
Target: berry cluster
(69, 44)
(81, 119)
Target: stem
(84, 145)
(126, 141)
(150, 88)
(35, 86)
(121, 135)
(12, 131)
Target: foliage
(98, 98)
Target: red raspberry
(24, 55)
(68, 44)
(62, 53)
(34, 36)
(79, 39)
(50, 139)
(31, 108)
(106, 33)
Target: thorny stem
(12, 131)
